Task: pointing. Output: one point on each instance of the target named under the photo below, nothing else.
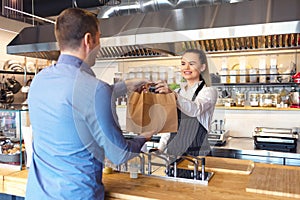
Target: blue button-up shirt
(74, 127)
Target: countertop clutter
(265, 182)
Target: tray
(13, 158)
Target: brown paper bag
(148, 111)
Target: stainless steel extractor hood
(256, 24)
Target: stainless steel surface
(142, 163)
(43, 8)
(186, 180)
(162, 156)
(143, 6)
(195, 163)
(274, 132)
(277, 139)
(245, 146)
(218, 137)
(245, 26)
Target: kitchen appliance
(276, 139)
(296, 77)
(218, 135)
(218, 138)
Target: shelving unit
(11, 129)
(289, 84)
(16, 72)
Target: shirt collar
(194, 87)
(76, 62)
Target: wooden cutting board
(225, 165)
(283, 182)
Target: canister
(240, 99)
(253, 75)
(233, 76)
(265, 100)
(254, 100)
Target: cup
(134, 167)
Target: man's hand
(135, 84)
(148, 135)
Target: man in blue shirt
(73, 117)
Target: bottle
(162, 73)
(243, 70)
(273, 69)
(262, 69)
(154, 74)
(253, 75)
(224, 71)
(147, 73)
(118, 77)
(284, 97)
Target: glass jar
(275, 99)
(240, 100)
(254, 100)
(253, 75)
(265, 100)
(228, 102)
(117, 77)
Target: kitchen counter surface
(121, 186)
(246, 146)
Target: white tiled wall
(241, 123)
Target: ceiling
(34, 11)
(163, 28)
(23, 10)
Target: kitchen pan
(13, 85)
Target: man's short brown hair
(71, 26)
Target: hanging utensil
(6, 96)
(13, 85)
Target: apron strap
(197, 90)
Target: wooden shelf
(256, 108)
(290, 84)
(15, 72)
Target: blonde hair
(204, 75)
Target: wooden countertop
(121, 186)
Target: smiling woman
(191, 68)
(195, 107)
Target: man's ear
(88, 40)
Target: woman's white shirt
(202, 107)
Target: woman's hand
(162, 87)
